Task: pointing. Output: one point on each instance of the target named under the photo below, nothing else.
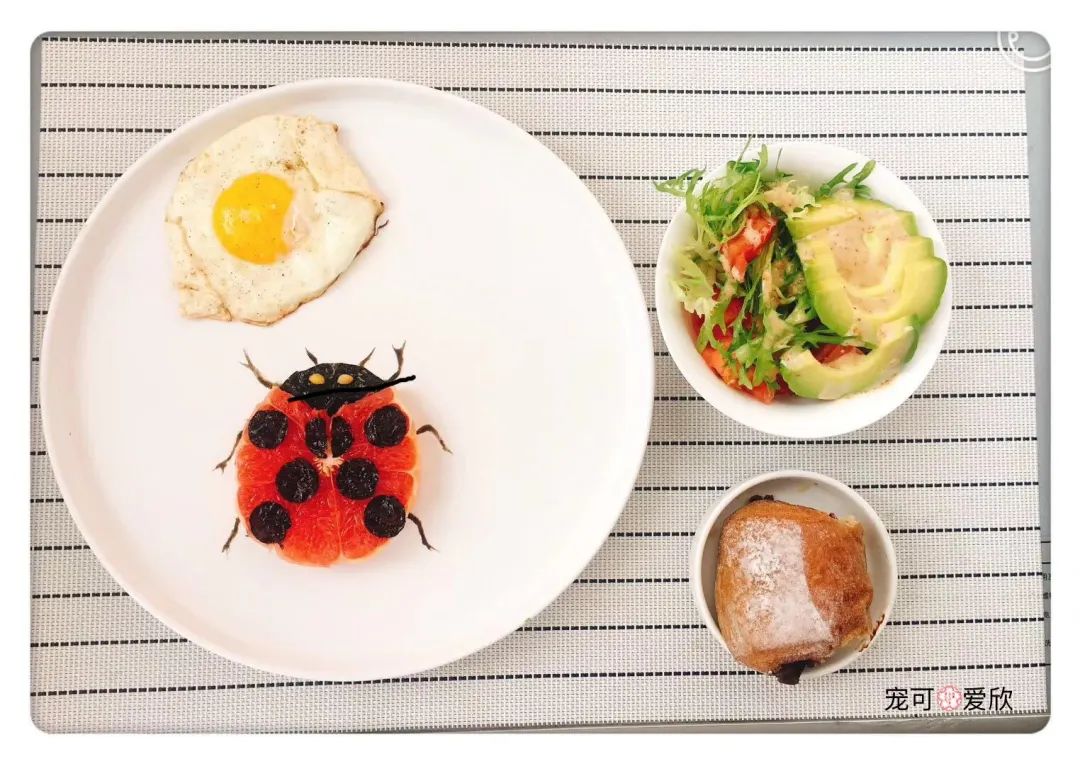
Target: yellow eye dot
(316, 379)
(345, 379)
(250, 218)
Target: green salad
(817, 292)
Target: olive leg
(221, 465)
(423, 537)
(228, 541)
(431, 428)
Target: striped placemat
(953, 472)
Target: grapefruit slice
(323, 487)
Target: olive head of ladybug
(329, 386)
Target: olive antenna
(400, 353)
(258, 374)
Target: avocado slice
(828, 213)
(839, 209)
(809, 378)
(866, 266)
(918, 296)
(912, 284)
(899, 255)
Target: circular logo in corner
(949, 697)
(1006, 43)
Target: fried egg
(266, 219)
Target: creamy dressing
(879, 304)
(788, 197)
(846, 361)
(859, 262)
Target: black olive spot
(384, 517)
(358, 479)
(298, 481)
(267, 428)
(315, 437)
(341, 438)
(386, 427)
(269, 522)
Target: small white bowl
(810, 163)
(808, 489)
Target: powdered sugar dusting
(768, 555)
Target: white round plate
(527, 332)
(812, 164)
(807, 489)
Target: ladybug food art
(327, 463)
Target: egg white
(332, 217)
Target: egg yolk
(250, 218)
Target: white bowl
(808, 489)
(811, 163)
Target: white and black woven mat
(953, 472)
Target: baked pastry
(791, 586)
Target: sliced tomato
(748, 243)
(730, 314)
(732, 311)
(826, 354)
(716, 363)
(696, 322)
(762, 392)
(730, 376)
(715, 359)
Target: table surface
(958, 473)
